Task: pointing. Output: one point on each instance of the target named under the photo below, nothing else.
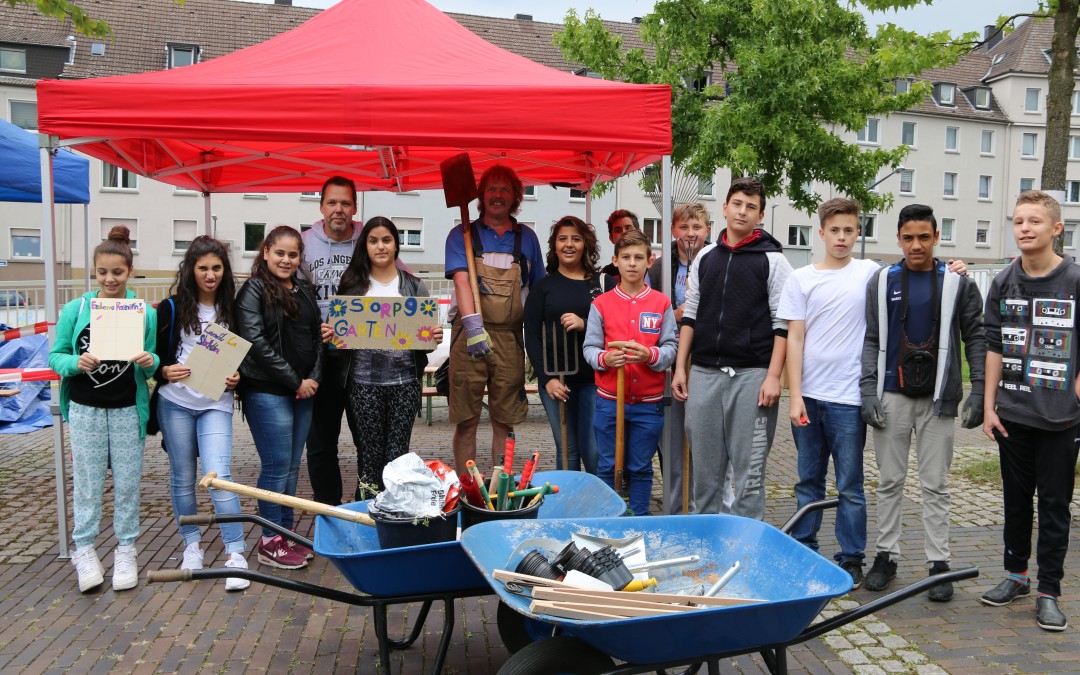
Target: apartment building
(975, 142)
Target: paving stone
(853, 656)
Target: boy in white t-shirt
(825, 305)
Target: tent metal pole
(48, 145)
(666, 440)
(588, 206)
(207, 215)
(86, 247)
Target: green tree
(68, 9)
(1059, 97)
(788, 78)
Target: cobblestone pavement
(49, 626)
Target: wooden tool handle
(211, 480)
(563, 434)
(474, 284)
(620, 424)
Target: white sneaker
(91, 573)
(193, 557)
(125, 573)
(237, 561)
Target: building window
(982, 233)
(310, 196)
(1027, 145)
(1069, 234)
(24, 114)
(798, 235)
(256, 195)
(1031, 100)
(907, 182)
(115, 178)
(1027, 184)
(13, 60)
(986, 144)
(869, 133)
(1072, 192)
(903, 86)
(946, 93)
(907, 134)
(530, 192)
(304, 227)
(253, 236)
(1074, 147)
(950, 185)
(706, 188)
(651, 229)
(869, 227)
(181, 55)
(577, 195)
(411, 233)
(952, 139)
(25, 242)
(984, 186)
(982, 98)
(948, 226)
(184, 232)
(107, 224)
(71, 43)
(1076, 103)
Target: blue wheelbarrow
(410, 574)
(791, 584)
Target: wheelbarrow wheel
(562, 655)
(518, 631)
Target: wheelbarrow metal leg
(381, 636)
(418, 625)
(448, 631)
(775, 659)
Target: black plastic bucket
(399, 532)
(471, 515)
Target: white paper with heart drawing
(116, 328)
(216, 355)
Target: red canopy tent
(377, 91)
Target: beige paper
(216, 355)
(383, 323)
(116, 328)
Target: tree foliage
(788, 78)
(68, 9)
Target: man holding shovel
(486, 348)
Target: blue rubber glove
(476, 338)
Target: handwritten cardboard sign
(116, 328)
(383, 323)
(216, 355)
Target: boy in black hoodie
(738, 348)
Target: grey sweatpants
(726, 426)
(673, 472)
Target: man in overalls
(487, 349)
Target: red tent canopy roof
(379, 91)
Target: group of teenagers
(863, 345)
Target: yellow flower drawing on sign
(402, 342)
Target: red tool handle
(508, 456)
(527, 472)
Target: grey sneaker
(942, 592)
(87, 564)
(854, 568)
(881, 573)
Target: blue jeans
(644, 422)
(580, 439)
(279, 426)
(836, 430)
(205, 436)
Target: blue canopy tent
(20, 170)
(20, 181)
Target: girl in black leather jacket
(277, 312)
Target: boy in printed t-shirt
(1032, 407)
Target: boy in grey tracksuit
(916, 314)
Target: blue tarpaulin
(29, 410)
(20, 170)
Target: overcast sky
(956, 15)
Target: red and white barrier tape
(27, 375)
(23, 331)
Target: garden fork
(560, 367)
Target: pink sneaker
(276, 553)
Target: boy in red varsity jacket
(642, 318)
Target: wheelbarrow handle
(873, 606)
(197, 519)
(787, 527)
(211, 518)
(166, 576)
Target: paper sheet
(116, 328)
(216, 355)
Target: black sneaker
(881, 573)
(1047, 614)
(854, 568)
(942, 592)
(1004, 593)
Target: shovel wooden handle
(620, 417)
(474, 284)
(211, 480)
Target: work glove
(872, 412)
(971, 416)
(476, 338)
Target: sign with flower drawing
(383, 323)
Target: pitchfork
(560, 367)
